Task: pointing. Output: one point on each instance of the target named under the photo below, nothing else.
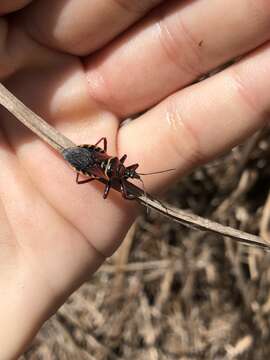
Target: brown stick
(59, 142)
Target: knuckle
(180, 47)
(244, 91)
(183, 139)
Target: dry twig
(59, 142)
(265, 221)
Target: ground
(177, 293)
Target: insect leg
(84, 181)
(125, 193)
(104, 143)
(107, 189)
(123, 159)
(133, 167)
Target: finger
(202, 121)
(47, 266)
(81, 26)
(83, 206)
(28, 213)
(18, 51)
(172, 47)
(7, 6)
(9, 62)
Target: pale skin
(55, 233)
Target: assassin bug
(94, 162)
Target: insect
(94, 162)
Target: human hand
(73, 63)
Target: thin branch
(265, 221)
(59, 142)
(191, 220)
(138, 266)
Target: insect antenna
(156, 172)
(145, 194)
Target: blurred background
(171, 292)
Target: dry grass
(176, 293)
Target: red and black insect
(94, 162)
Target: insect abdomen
(78, 157)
